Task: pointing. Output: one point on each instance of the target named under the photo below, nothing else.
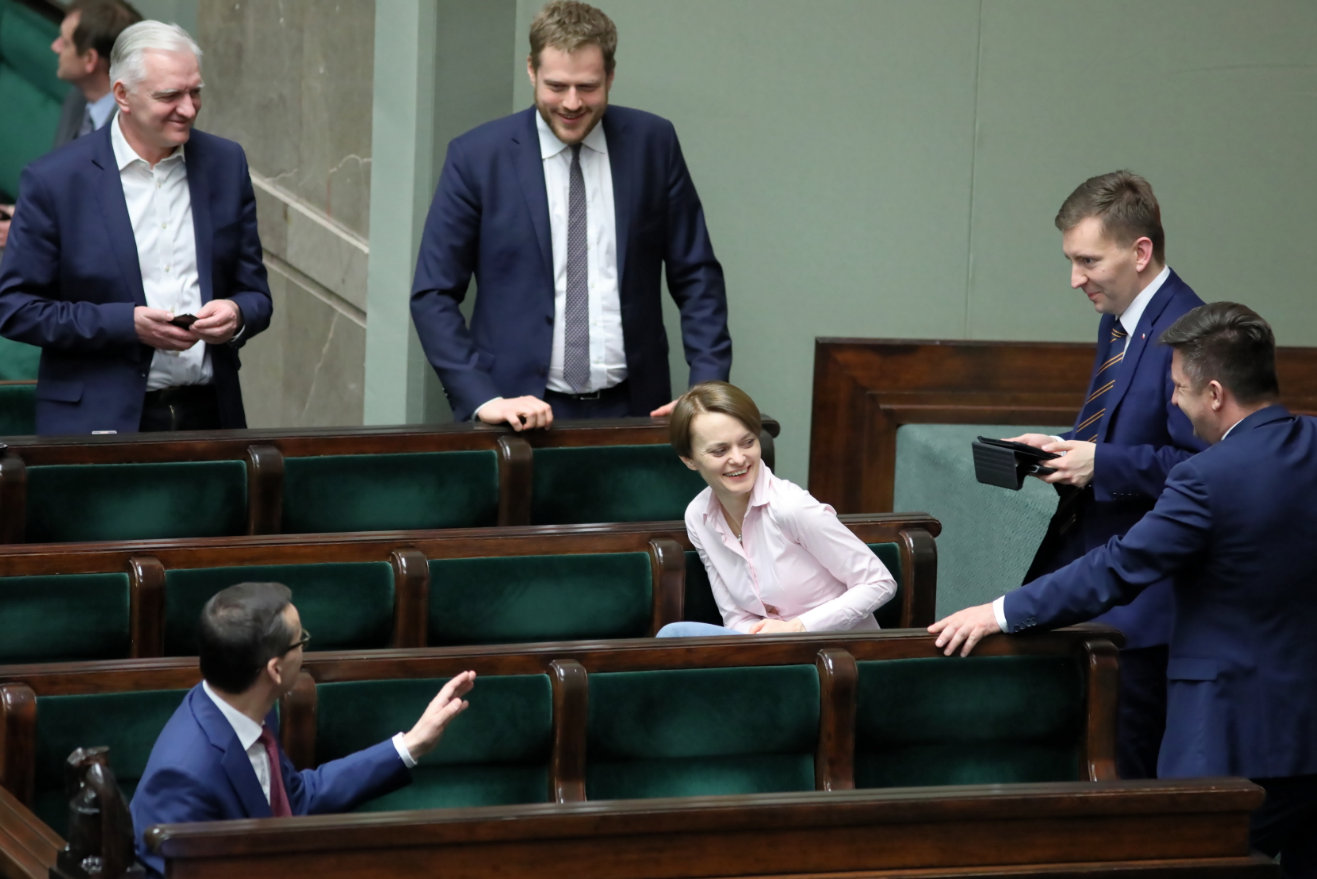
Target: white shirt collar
(1129, 319)
(550, 145)
(247, 730)
(124, 154)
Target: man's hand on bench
(967, 627)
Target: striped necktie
(1090, 417)
(576, 312)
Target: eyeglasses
(300, 642)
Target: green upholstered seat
(540, 598)
(980, 720)
(64, 617)
(610, 484)
(989, 534)
(386, 492)
(344, 605)
(700, 606)
(691, 732)
(30, 93)
(496, 753)
(68, 502)
(127, 722)
(18, 406)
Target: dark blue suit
(198, 771)
(1234, 530)
(1139, 440)
(490, 218)
(71, 279)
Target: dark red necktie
(278, 793)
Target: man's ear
(274, 671)
(121, 97)
(1142, 253)
(530, 70)
(90, 60)
(1218, 394)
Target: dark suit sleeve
(444, 266)
(1169, 539)
(249, 286)
(695, 278)
(170, 796)
(30, 308)
(339, 785)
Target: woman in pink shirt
(777, 559)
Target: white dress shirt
(160, 210)
(795, 559)
(607, 354)
(1129, 318)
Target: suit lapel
(234, 761)
(529, 167)
(1138, 343)
(615, 131)
(114, 210)
(198, 184)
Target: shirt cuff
(999, 609)
(406, 755)
(475, 415)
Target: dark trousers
(191, 407)
(1287, 824)
(1140, 710)
(614, 402)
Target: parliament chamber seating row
(635, 718)
(865, 754)
(413, 589)
(61, 489)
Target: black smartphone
(184, 320)
(1024, 449)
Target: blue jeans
(694, 630)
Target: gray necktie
(576, 315)
(86, 127)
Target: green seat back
(389, 492)
(691, 732)
(127, 722)
(64, 617)
(496, 753)
(701, 607)
(610, 484)
(980, 720)
(18, 404)
(30, 93)
(67, 502)
(540, 598)
(344, 605)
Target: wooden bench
(397, 589)
(315, 480)
(1189, 829)
(583, 720)
(865, 389)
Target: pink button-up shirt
(794, 559)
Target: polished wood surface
(1149, 829)
(864, 389)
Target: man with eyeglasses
(218, 756)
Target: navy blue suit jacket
(490, 218)
(199, 771)
(1140, 439)
(71, 279)
(1234, 528)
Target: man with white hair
(136, 264)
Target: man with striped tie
(1127, 435)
